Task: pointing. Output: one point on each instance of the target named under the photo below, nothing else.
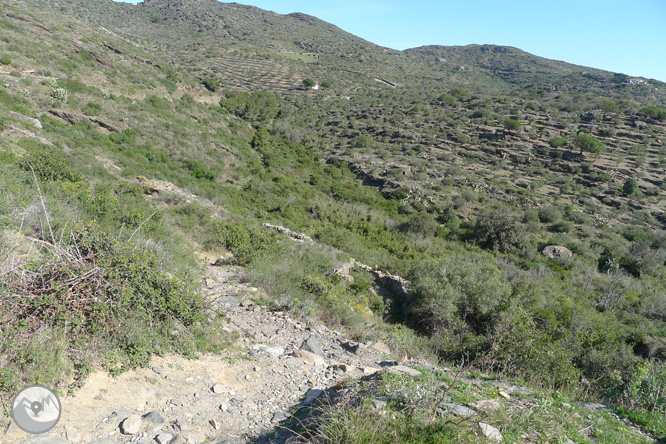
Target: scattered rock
(369, 370)
(380, 346)
(30, 120)
(403, 369)
(310, 358)
(217, 388)
(273, 351)
(296, 236)
(120, 415)
(380, 402)
(72, 434)
(311, 396)
(347, 368)
(553, 251)
(131, 425)
(311, 345)
(247, 303)
(592, 406)
(490, 432)
(164, 438)
(504, 395)
(486, 404)
(279, 417)
(457, 410)
(214, 424)
(224, 407)
(157, 370)
(352, 347)
(196, 436)
(155, 417)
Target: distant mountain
(211, 37)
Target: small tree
(557, 141)
(211, 84)
(512, 124)
(588, 143)
(630, 187)
(326, 84)
(498, 229)
(654, 113)
(309, 83)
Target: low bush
(93, 288)
(246, 242)
(49, 167)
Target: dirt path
(238, 396)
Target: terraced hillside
(516, 201)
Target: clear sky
(627, 36)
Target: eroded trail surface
(241, 395)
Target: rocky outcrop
(296, 236)
(553, 251)
(394, 283)
(30, 120)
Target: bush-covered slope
(124, 149)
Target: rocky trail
(241, 395)
(247, 393)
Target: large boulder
(553, 251)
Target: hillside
(476, 205)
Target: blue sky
(627, 36)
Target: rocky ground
(241, 395)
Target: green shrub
(645, 389)
(211, 84)
(363, 141)
(5, 60)
(246, 242)
(630, 187)
(498, 229)
(512, 124)
(459, 296)
(112, 300)
(563, 226)
(550, 215)
(199, 170)
(256, 106)
(49, 167)
(58, 95)
(92, 109)
(654, 112)
(557, 142)
(420, 223)
(459, 93)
